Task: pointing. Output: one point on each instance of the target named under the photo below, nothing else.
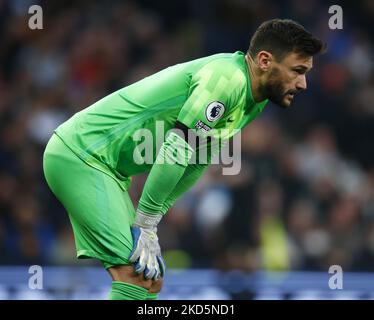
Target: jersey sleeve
(191, 175)
(214, 90)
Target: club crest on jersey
(214, 111)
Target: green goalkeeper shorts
(100, 212)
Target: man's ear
(264, 60)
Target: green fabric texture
(126, 291)
(100, 212)
(102, 135)
(168, 169)
(152, 296)
(189, 178)
(193, 172)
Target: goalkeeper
(90, 159)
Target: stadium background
(305, 197)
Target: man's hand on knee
(146, 253)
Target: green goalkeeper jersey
(211, 95)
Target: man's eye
(299, 71)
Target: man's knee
(156, 286)
(126, 273)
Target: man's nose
(301, 83)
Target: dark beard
(274, 90)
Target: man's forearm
(168, 169)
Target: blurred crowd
(304, 199)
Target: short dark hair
(281, 37)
